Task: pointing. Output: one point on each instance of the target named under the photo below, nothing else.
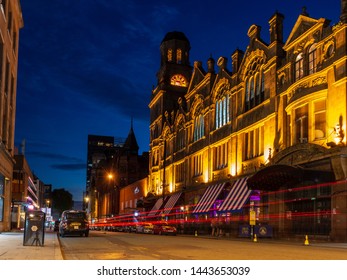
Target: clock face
(178, 80)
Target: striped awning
(209, 197)
(156, 207)
(171, 203)
(237, 196)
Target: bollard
(306, 243)
(196, 233)
(255, 238)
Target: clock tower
(173, 79)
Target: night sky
(89, 66)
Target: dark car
(74, 222)
(164, 228)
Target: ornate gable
(302, 25)
(197, 76)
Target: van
(74, 222)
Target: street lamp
(113, 194)
(47, 216)
(86, 203)
(164, 167)
(47, 206)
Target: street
(102, 245)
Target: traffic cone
(306, 241)
(255, 238)
(196, 233)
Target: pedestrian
(221, 223)
(214, 227)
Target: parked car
(74, 222)
(144, 228)
(130, 228)
(164, 229)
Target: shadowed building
(11, 21)
(112, 165)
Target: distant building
(264, 140)
(25, 194)
(111, 167)
(98, 149)
(78, 205)
(11, 21)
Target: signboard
(259, 230)
(252, 218)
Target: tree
(61, 200)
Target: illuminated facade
(11, 22)
(278, 119)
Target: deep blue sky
(88, 67)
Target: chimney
(343, 16)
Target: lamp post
(114, 201)
(86, 204)
(164, 167)
(110, 177)
(47, 216)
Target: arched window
(222, 111)
(179, 56)
(299, 67)
(247, 95)
(180, 139)
(255, 87)
(169, 55)
(199, 129)
(251, 91)
(262, 87)
(312, 59)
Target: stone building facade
(266, 137)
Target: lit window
(169, 55)
(299, 67)
(312, 59)
(179, 56)
(254, 91)
(301, 125)
(199, 129)
(222, 111)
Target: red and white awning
(171, 203)
(156, 207)
(209, 197)
(237, 196)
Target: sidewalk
(12, 248)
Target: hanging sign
(252, 218)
